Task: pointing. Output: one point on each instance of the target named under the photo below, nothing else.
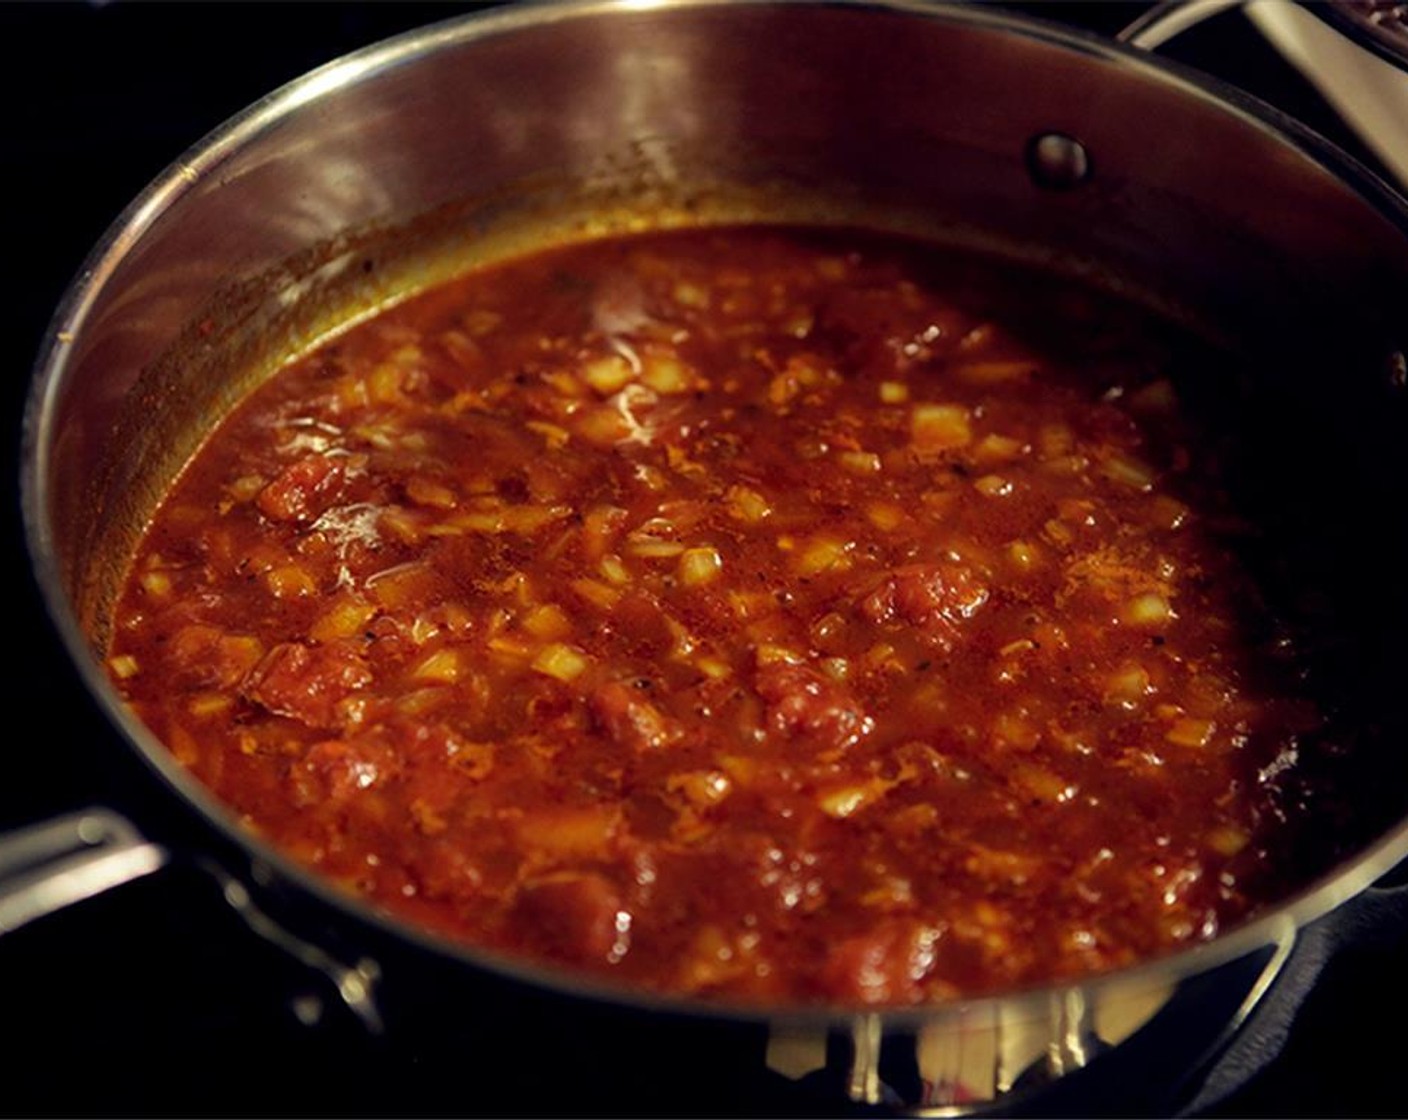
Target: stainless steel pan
(479, 137)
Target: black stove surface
(156, 999)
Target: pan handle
(1169, 19)
(54, 864)
(1367, 92)
(48, 866)
(1376, 917)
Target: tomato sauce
(754, 614)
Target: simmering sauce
(755, 614)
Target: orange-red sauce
(750, 613)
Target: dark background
(154, 999)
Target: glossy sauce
(756, 614)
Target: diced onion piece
(554, 436)
(529, 519)
(993, 486)
(561, 661)
(1044, 784)
(653, 548)
(599, 594)
(428, 492)
(1227, 840)
(599, 528)
(687, 293)
(1013, 731)
(701, 788)
(667, 374)
(246, 488)
(401, 524)
(124, 666)
(998, 449)
(343, 619)
(478, 521)
(1065, 465)
(1168, 513)
(827, 629)
(940, 427)
(882, 655)
(844, 801)
(893, 392)
(1128, 471)
(742, 769)
(548, 622)
(746, 505)
(995, 865)
(713, 959)
(859, 462)
(384, 384)
(418, 702)
(565, 384)
(579, 832)
(207, 704)
(885, 516)
(602, 425)
(837, 668)
(1149, 609)
(351, 394)
(777, 655)
(183, 745)
(1128, 685)
(713, 668)
(156, 584)
(1023, 555)
(457, 618)
(1191, 732)
(800, 324)
(1058, 532)
(699, 566)
(748, 605)
(441, 667)
(607, 374)
(612, 569)
(400, 587)
(509, 646)
(783, 389)
(823, 554)
(996, 372)
(290, 581)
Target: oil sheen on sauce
(755, 614)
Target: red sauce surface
(752, 614)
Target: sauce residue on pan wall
(756, 614)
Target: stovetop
(156, 999)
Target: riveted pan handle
(57, 863)
(1169, 19)
(48, 866)
(1367, 88)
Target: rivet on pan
(1057, 162)
(308, 1010)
